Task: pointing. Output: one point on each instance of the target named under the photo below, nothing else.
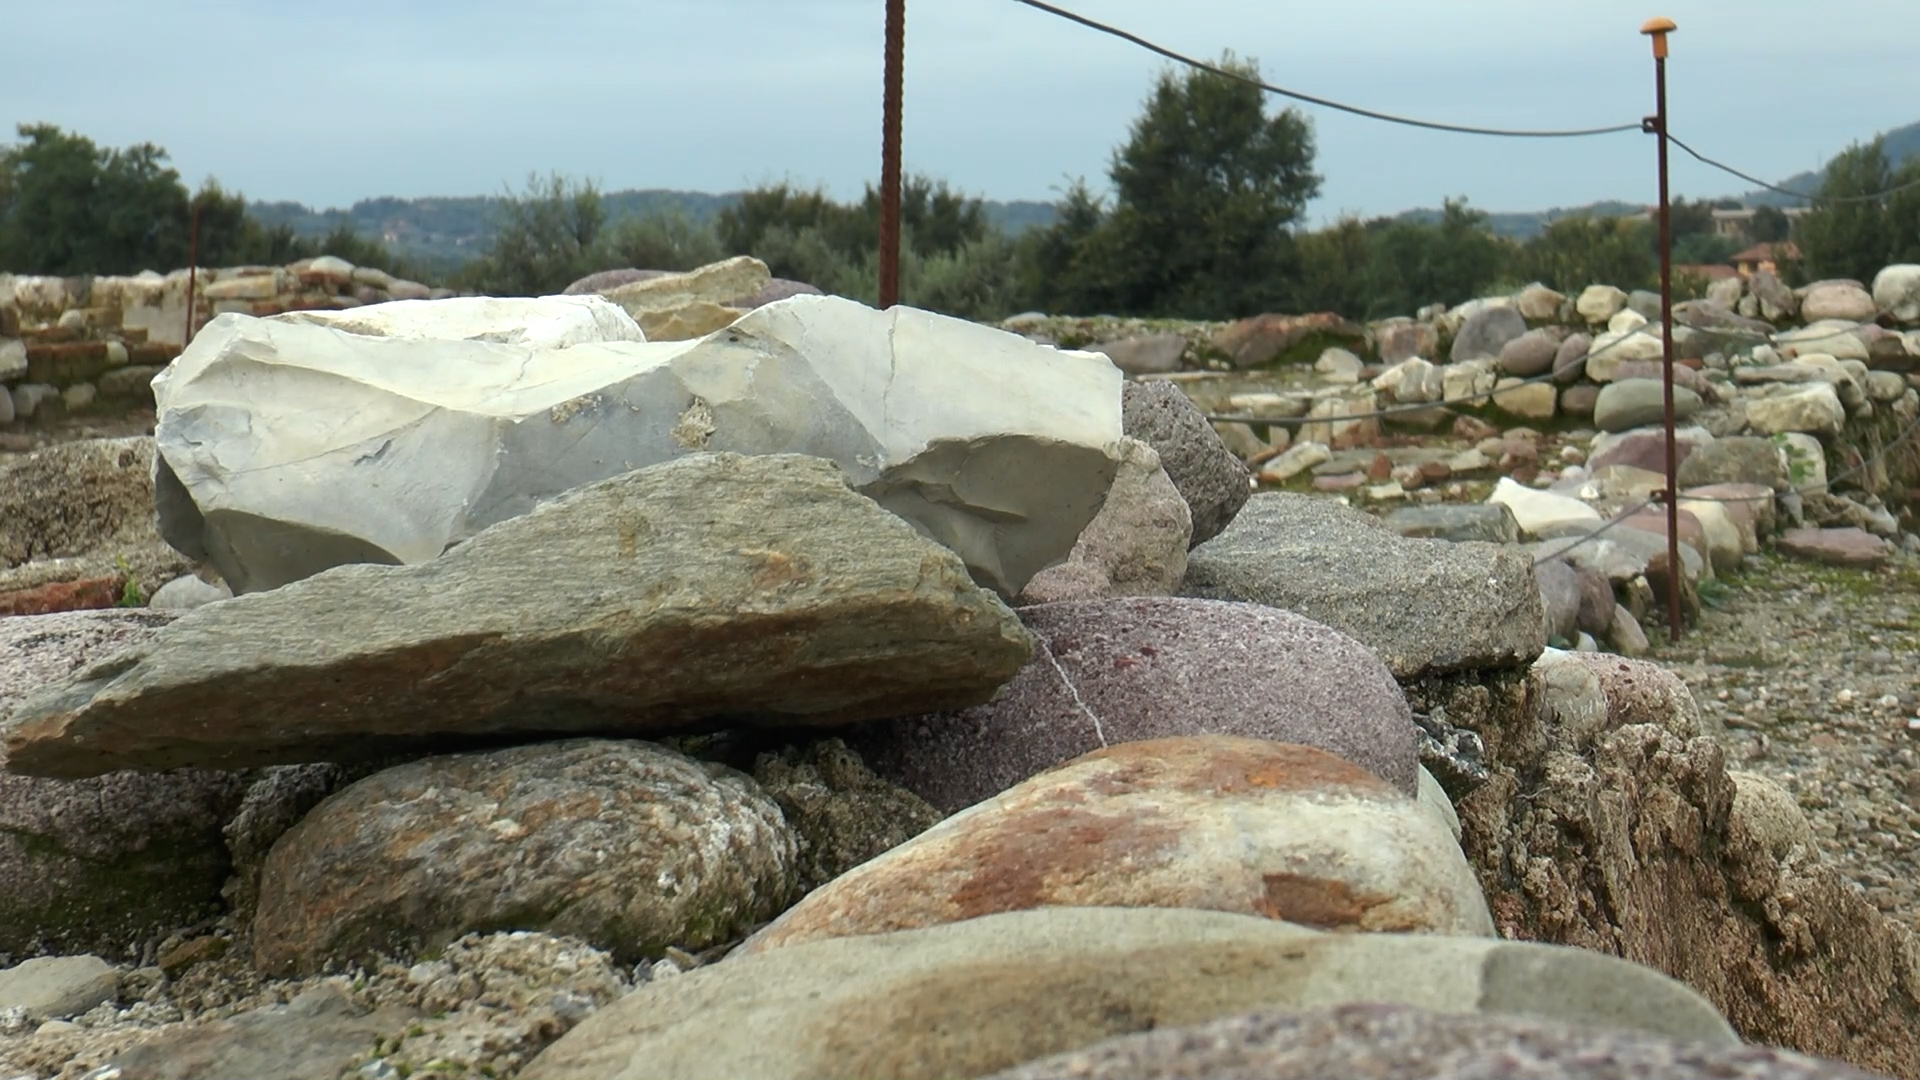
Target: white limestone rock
(1411, 381)
(13, 359)
(1598, 303)
(1811, 408)
(1626, 321)
(1297, 459)
(1536, 511)
(1838, 338)
(1468, 381)
(288, 446)
(1804, 461)
(1611, 349)
(680, 307)
(1836, 300)
(1538, 304)
(550, 322)
(1896, 290)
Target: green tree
(1770, 225)
(1703, 247)
(1206, 191)
(791, 230)
(68, 206)
(1849, 239)
(978, 281)
(941, 221)
(227, 236)
(1450, 261)
(1690, 217)
(1903, 214)
(545, 241)
(1334, 270)
(657, 242)
(743, 227)
(1060, 267)
(1574, 252)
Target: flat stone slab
(38, 650)
(1426, 606)
(761, 590)
(971, 997)
(1489, 522)
(58, 987)
(1403, 1043)
(1537, 511)
(316, 1036)
(1836, 547)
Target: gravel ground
(487, 1004)
(1815, 671)
(19, 440)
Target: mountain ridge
(451, 229)
(447, 230)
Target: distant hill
(1526, 225)
(445, 232)
(1901, 143)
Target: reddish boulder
(87, 595)
(1267, 339)
(1114, 671)
(1836, 547)
(1215, 823)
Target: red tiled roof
(1784, 252)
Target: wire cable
(1320, 101)
(1617, 521)
(1725, 168)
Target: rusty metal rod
(896, 48)
(1658, 29)
(193, 271)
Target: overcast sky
(326, 103)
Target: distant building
(1738, 224)
(1707, 271)
(1734, 224)
(1767, 257)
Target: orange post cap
(1658, 29)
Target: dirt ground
(1815, 671)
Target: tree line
(1203, 220)
(70, 207)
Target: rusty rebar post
(193, 269)
(1658, 29)
(896, 47)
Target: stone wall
(80, 344)
(1834, 365)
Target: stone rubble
(760, 589)
(485, 872)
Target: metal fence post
(193, 270)
(896, 47)
(1658, 29)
